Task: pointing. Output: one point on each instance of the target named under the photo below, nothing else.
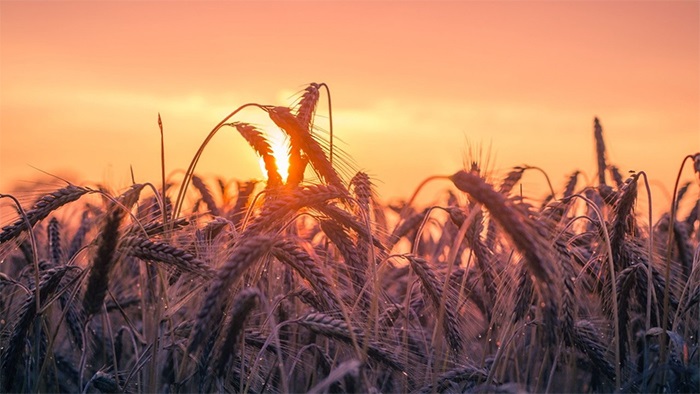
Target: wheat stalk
(616, 175)
(411, 223)
(131, 196)
(307, 106)
(362, 189)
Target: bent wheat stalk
(193, 164)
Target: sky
(415, 86)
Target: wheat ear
(291, 254)
(623, 222)
(348, 220)
(434, 289)
(511, 179)
(587, 339)
(54, 237)
(79, 237)
(12, 355)
(41, 209)
(247, 251)
(245, 191)
(346, 246)
(103, 262)
(278, 207)
(482, 254)
(470, 374)
(526, 239)
(207, 197)
(262, 148)
(243, 304)
(148, 250)
(300, 136)
(304, 115)
(331, 327)
(600, 150)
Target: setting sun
(279, 143)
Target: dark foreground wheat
(292, 285)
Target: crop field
(306, 282)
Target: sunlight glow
(279, 143)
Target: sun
(279, 143)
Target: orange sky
(413, 84)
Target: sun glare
(279, 143)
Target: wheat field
(308, 283)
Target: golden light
(279, 143)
